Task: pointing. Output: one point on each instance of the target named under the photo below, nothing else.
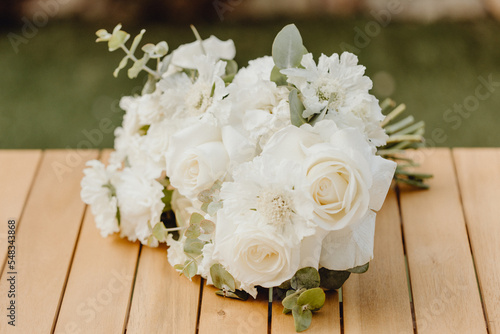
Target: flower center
(330, 91)
(275, 207)
(198, 98)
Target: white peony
(98, 192)
(140, 203)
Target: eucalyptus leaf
(314, 299)
(290, 300)
(196, 218)
(278, 78)
(193, 231)
(159, 232)
(237, 294)
(296, 108)
(307, 278)
(359, 269)
(221, 278)
(207, 226)
(333, 279)
(118, 39)
(288, 48)
(190, 268)
(193, 246)
(302, 318)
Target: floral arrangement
(274, 171)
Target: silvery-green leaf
(190, 268)
(296, 109)
(314, 299)
(285, 285)
(207, 226)
(161, 49)
(117, 40)
(359, 269)
(205, 196)
(278, 78)
(159, 232)
(193, 231)
(121, 66)
(307, 278)
(138, 66)
(237, 294)
(288, 48)
(290, 300)
(333, 279)
(213, 207)
(136, 41)
(302, 318)
(193, 246)
(221, 278)
(150, 85)
(196, 218)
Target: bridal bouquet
(274, 171)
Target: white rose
(196, 158)
(255, 255)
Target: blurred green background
(59, 85)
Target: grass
(60, 85)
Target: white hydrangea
(98, 192)
(140, 203)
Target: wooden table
(71, 280)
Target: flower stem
(144, 67)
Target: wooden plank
(45, 242)
(378, 300)
(163, 301)
(479, 180)
(445, 293)
(97, 296)
(17, 170)
(225, 315)
(325, 321)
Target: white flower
(185, 55)
(140, 203)
(335, 83)
(196, 159)
(187, 97)
(346, 177)
(175, 253)
(264, 218)
(97, 191)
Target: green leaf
(190, 268)
(193, 246)
(359, 269)
(333, 279)
(286, 310)
(122, 65)
(302, 318)
(314, 299)
(118, 39)
(296, 109)
(196, 218)
(193, 231)
(237, 294)
(285, 285)
(143, 130)
(278, 78)
(221, 278)
(167, 199)
(207, 227)
(290, 301)
(288, 48)
(159, 232)
(136, 41)
(307, 278)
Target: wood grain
(163, 301)
(17, 171)
(378, 300)
(46, 239)
(478, 173)
(445, 293)
(224, 315)
(100, 283)
(325, 321)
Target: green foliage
(189, 269)
(221, 278)
(296, 108)
(277, 77)
(237, 294)
(160, 232)
(287, 48)
(209, 198)
(333, 279)
(307, 278)
(360, 269)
